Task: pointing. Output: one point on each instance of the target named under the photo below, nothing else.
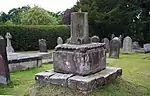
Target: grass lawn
(135, 80)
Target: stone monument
(112, 36)
(9, 47)
(79, 64)
(106, 41)
(4, 70)
(95, 39)
(59, 40)
(147, 48)
(127, 45)
(42, 45)
(115, 44)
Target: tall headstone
(42, 45)
(79, 28)
(115, 44)
(9, 47)
(95, 39)
(59, 40)
(4, 70)
(127, 45)
(106, 41)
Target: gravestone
(136, 46)
(106, 41)
(147, 48)
(80, 64)
(115, 44)
(42, 45)
(95, 39)
(4, 70)
(112, 36)
(9, 47)
(127, 45)
(59, 40)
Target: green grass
(135, 80)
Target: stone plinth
(79, 59)
(82, 83)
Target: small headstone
(106, 41)
(147, 48)
(95, 39)
(127, 45)
(59, 40)
(136, 46)
(4, 70)
(42, 45)
(112, 36)
(115, 44)
(9, 48)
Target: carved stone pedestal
(84, 84)
(79, 59)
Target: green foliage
(37, 16)
(26, 37)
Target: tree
(37, 16)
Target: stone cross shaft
(79, 28)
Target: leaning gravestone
(9, 47)
(115, 44)
(95, 39)
(4, 70)
(42, 45)
(127, 45)
(147, 48)
(106, 41)
(80, 64)
(59, 40)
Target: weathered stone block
(94, 81)
(43, 77)
(60, 79)
(80, 59)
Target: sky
(50, 5)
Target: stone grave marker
(9, 47)
(106, 41)
(127, 45)
(147, 48)
(79, 64)
(59, 40)
(42, 45)
(4, 70)
(95, 39)
(112, 36)
(115, 44)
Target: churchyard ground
(134, 81)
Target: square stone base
(82, 83)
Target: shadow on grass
(118, 87)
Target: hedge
(25, 37)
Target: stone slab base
(82, 83)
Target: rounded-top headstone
(59, 40)
(95, 39)
(127, 45)
(42, 45)
(115, 45)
